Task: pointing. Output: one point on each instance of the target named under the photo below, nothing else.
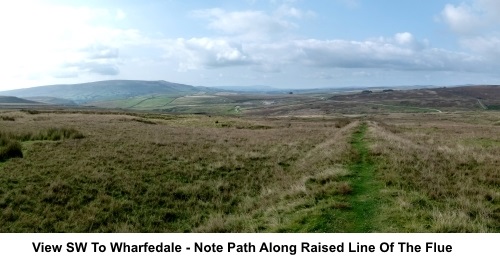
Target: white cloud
(475, 17)
(462, 19)
(404, 38)
(120, 15)
(101, 52)
(249, 25)
(293, 12)
(95, 67)
(486, 46)
(477, 25)
(61, 41)
(196, 53)
(492, 7)
(247, 42)
(401, 52)
(384, 55)
(71, 42)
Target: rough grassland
(438, 172)
(173, 173)
(168, 173)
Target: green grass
(157, 102)
(482, 142)
(192, 104)
(493, 107)
(365, 186)
(51, 134)
(201, 100)
(202, 109)
(342, 203)
(121, 103)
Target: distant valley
(155, 156)
(168, 97)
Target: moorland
(210, 160)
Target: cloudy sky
(281, 43)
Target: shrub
(7, 118)
(30, 111)
(10, 149)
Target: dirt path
(481, 104)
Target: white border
(465, 247)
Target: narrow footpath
(365, 187)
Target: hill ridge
(16, 100)
(82, 93)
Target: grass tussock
(50, 134)
(9, 148)
(10, 143)
(7, 118)
(342, 122)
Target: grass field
(146, 172)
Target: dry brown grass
(441, 172)
(167, 173)
(186, 173)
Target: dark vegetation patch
(493, 107)
(146, 121)
(342, 122)
(51, 134)
(9, 148)
(7, 118)
(10, 144)
(31, 111)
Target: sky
(286, 44)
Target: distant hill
(488, 96)
(249, 89)
(484, 92)
(15, 100)
(460, 97)
(52, 100)
(107, 90)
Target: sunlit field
(101, 171)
